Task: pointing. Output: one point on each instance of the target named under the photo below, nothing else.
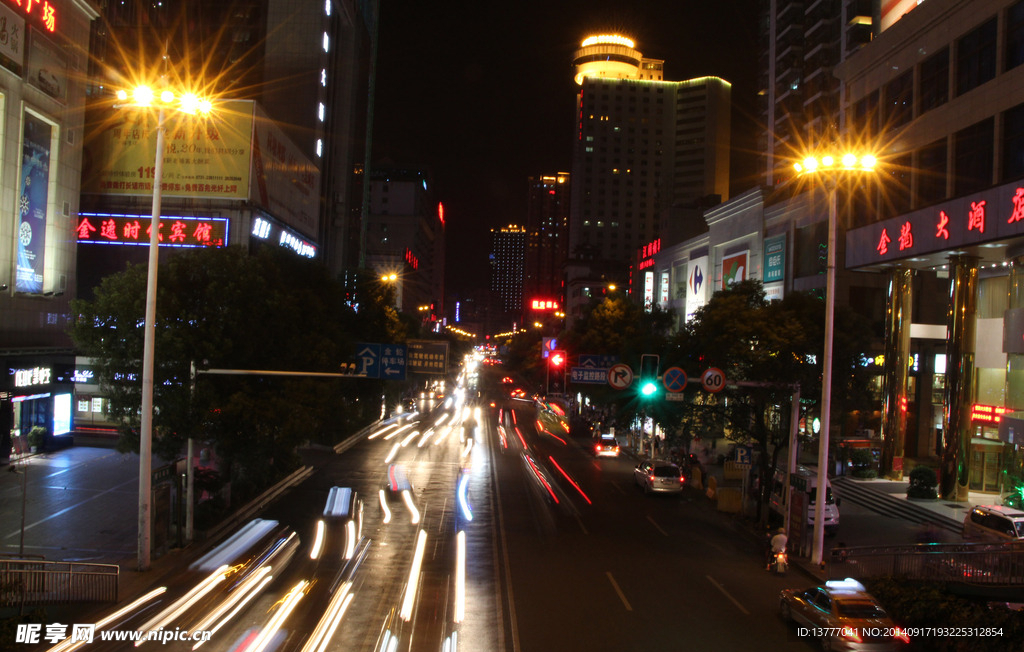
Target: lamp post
(144, 97)
(828, 168)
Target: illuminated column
(1013, 328)
(896, 372)
(956, 426)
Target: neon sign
(411, 258)
(544, 304)
(43, 10)
(32, 377)
(109, 228)
(988, 413)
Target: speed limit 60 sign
(713, 380)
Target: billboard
(34, 195)
(696, 285)
(204, 158)
(734, 269)
(285, 182)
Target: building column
(956, 422)
(895, 372)
(1013, 329)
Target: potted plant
(36, 438)
(922, 483)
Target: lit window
(323, 77)
(320, 111)
(327, 42)
(319, 146)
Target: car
(606, 446)
(659, 476)
(846, 616)
(994, 523)
(518, 393)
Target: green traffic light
(648, 388)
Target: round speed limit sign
(713, 380)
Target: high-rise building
(645, 149)
(405, 236)
(508, 246)
(547, 238)
(801, 42)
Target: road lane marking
(656, 526)
(615, 586)
(582, 527)
(618, 488)
(728, 595)
(75, 506)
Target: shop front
(36, 394)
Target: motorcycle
(780, 562)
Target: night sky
(481, 93)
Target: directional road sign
(392, 361)
(597, 361)
(620, 376)
(589, 375)
(674, 379)
(368, 359)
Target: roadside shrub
(922, 483)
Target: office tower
(405, 236)
(508, 248)
(801, 42)
(547, 235)
(645, 149)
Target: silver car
(659, 475)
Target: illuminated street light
(389, 278)
(143, 97)
(826, 172)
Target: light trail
(412, 587)
(571, 481)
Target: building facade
(507, 258)
(547, 235)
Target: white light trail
(384, 506)
(412, 586)
(460, 577)
(394, 451)
(182, 604)
(407, 497)
(318, 541)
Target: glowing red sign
(440, 212)
(103, 228)
(43, 10)
(650, 248)
(544, 304)
(411, 258)
(988, 413)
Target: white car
(659, 476)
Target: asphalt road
(562, 551)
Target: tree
(777, 343)
(223, 308)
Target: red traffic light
(557, 358)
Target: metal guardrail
(32, 582)
(990, 564)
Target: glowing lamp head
(810, 164)
(827, 161)
(143, 95)
(166, 97)
(849, 160)
(121, 95)
(648, 388)
(868, 162)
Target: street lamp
(827, 169)
(144, 97)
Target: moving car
(606, 446)
(804, 481)
(846, 616)
(659, 476)
(994, 523)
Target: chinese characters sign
(42, 11)
(105, 228)
(203, 157)
(543, 304)
(991, 215)
(427, 356)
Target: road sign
(368, 359)
(593, 376)
(675, 396)
(392, 361)
(427, 356)
(713, 380)
(674, 379)
(598, 361)
(620, 376)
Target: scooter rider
(777, 545)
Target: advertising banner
(47, 67)
(734, 269)
(696, 285)
(34, 193)
(285, 182)
(774, 259)
(204, 157)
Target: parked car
(659, 476)
(994, 523)
(846, 616)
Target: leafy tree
(225, 309)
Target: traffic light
(557, 359)
(649, 363)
